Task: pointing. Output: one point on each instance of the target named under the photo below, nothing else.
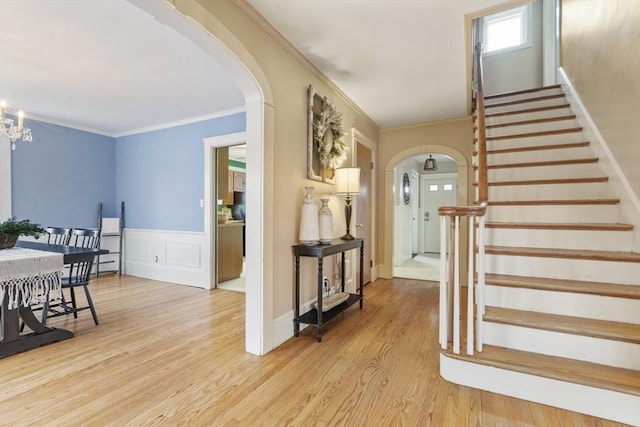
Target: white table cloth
(29, 276)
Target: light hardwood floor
(165, 354)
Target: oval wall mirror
(406, 189)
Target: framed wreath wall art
(325, 149)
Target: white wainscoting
(169, 256)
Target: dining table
(29, 273)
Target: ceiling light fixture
(430, 164)
(11, 130)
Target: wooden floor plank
(167, 354)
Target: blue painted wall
(59, 178)
(160, 174)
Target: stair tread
(550, 181)
(564, 253)
(521, 92)
(538, 148)
(554, 202)
(527, 110)
(542, 163)
(565, 285)
(531, 122)
(524, 101)
(559, 368)
(561, 226)
(535, 134)
(619, 331)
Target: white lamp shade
(347, 180)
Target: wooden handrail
(483, 194)
(482, 136)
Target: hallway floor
(423, 266)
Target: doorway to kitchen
(230, 254)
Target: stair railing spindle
(450, 302)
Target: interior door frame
(359, 137)
(415, 211)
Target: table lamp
(347, 183)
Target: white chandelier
(11, 130)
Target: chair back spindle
(85, 238)
(58, 235)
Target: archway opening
(392, 191)
(217, 41)
(423, 184)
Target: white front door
(415, 211)
(434, 192)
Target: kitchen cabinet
(223, 174)
(239, 181)
(230, 250)
(235, 182)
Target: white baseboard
(283, 325)
(611, 405)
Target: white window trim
(525, 10)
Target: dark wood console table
(316, 317)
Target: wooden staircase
(562, 288)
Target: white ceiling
(400, 61)
(106, 66)
(110, 67)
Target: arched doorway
(216, 40)
(390, 189)
(425, 182)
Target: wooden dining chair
(58, 235)
(79, 276)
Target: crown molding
(255, 16)
(427, 124)
(190, 120)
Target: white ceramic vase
(325, 217)
(309, 225)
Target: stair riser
(540, 155)
(536, 127)
(510, 118)
(564, 303)
(580, 170)
(556, 213)
(594, 401)
(525, 105)
(528, 95)
(564, 268)
(595, 350)
(549, 191)
(561, 239)
(565, 138)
